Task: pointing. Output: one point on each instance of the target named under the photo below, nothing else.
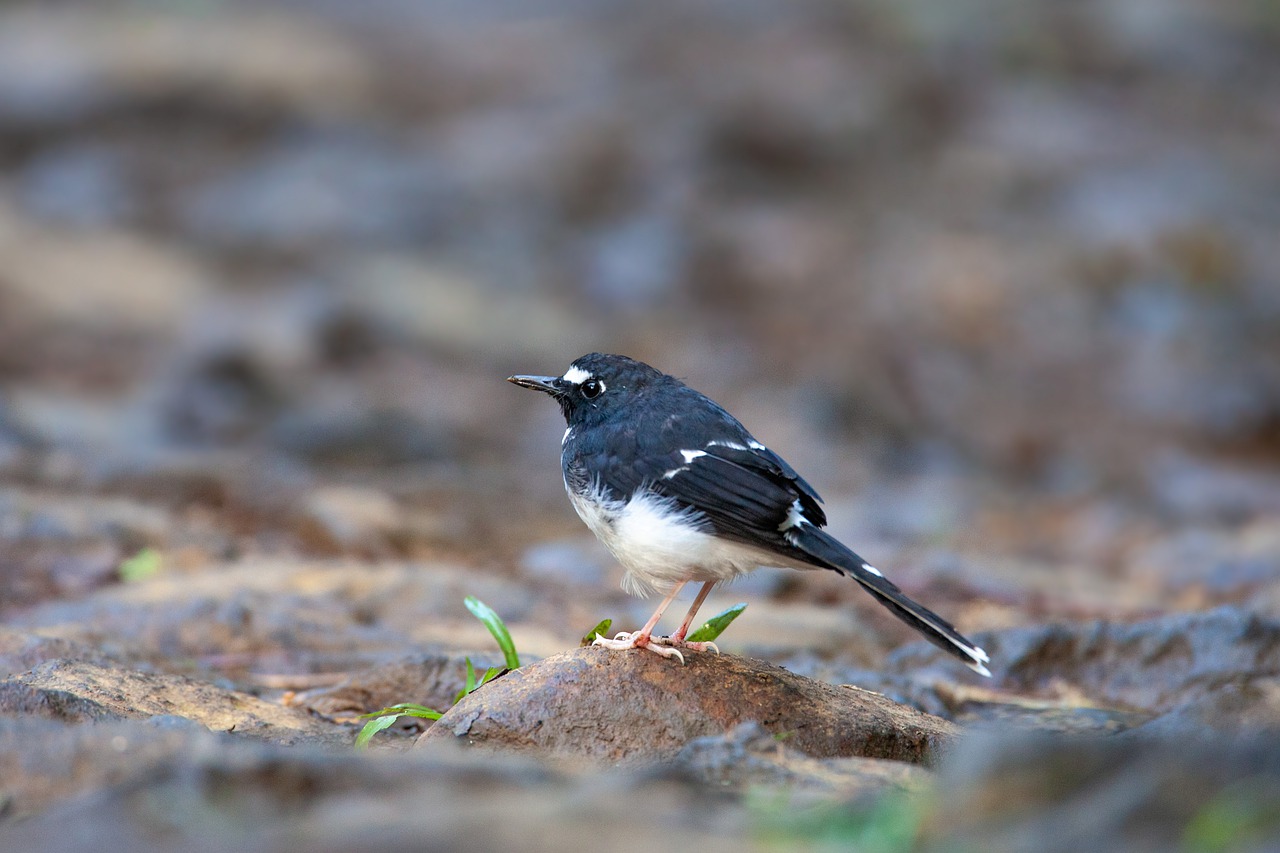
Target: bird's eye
(592, 388)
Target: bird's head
(596, 386)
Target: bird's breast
(596, 511)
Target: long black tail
(827, 551)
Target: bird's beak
(545, 384)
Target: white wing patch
(575, 375)
(732, 445)
(795, 518)
(689, 456)
(870, 568)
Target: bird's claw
(697, 647)
(668, 647)
(630, 641)
(654, 644)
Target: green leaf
(715, 626)
(143, 564)
(405, 709)
(385, 718)
(600, 629)
(490, 674)
(372, 727)
(471, 678)
(469, 685)
(494, 623)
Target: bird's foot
(685, 644)
(638, 641)
(668, 647)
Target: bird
(680, 492)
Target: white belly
(659, 546)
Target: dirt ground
(1001, 280)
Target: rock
(635, 708)
(747, 756)
(1244, 704)
(20, 651)
(1064, 711)
(202, 792)
(1223, 662)
(770, 630)
(75, 691)
(433, 681)
(1126, 794)
(43, 761)
(1155, 664)
(321, 616)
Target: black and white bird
(680, 492)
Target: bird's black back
(659, 434)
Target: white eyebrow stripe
(690, 455)
(575, 375)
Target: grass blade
(372, 727)
(715, 626)
(405, 709)
(469, 685)
(387, 717)
(497, 628)
(600, 629)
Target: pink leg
(643, 639)
(683, 630)
(647, 631)
(678, 638)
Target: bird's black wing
(745, 494)
(705, 460)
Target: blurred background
(1002, 278)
